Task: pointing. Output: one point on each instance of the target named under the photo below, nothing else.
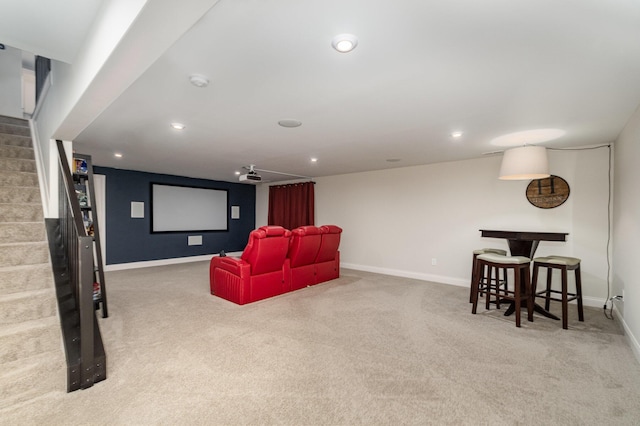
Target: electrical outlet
(434, 261)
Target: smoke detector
(199, 80)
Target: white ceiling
(421, 70)
(53, 28)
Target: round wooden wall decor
(548, 193)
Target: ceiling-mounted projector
(251, 176)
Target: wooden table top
(525, 235)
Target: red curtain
(291, 206)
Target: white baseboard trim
(161, 262)
(587, 301)
(633, 342)
(407, 274)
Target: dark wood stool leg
(534, 281)
(529, 293)
(579, 293)
(498, 290)
(473, 277)
(488, 286)
(516, 292)
(506, 283)
(478, 271)
(547, 300)
(565, 296)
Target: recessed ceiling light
(237, 173)
(456, 134)
(178, 126)
(290, 123)
(344, 43)
(199, 80)
(117, 155)
(314, 160)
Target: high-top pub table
(525, 244)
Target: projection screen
(188, 209)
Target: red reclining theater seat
(261, 272)
(328, 258)
(303, 250)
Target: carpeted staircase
(32, 360)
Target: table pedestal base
(536, 308)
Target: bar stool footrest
(570, 296)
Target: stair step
(18, 165)
(15, 140)
(19, 194)
(32, 305)
(15, 279)
(12, 129)
(15, 121)
(24, 254)
(30, 378)
(21, 212)
(29, 338)
(11, 151)
(22, 232)
(18, 179)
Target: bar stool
(520, 265)
(564, 264)
(473, 269)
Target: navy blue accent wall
(131, 240)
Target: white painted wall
(395, 221)
(11, 82)
(68, 82)
(126, 37)
(626, 229)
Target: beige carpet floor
(365, 349)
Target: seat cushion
(558, 260)
(508, 260)
(490, 250)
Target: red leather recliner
(303, 250)
(261, 272)
(328, 258)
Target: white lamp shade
(525, 163)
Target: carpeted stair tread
(30, 378)
(19, 194)
(24, 254)
(21, 212)
(14, 121)
(15, 279)
(29, 338)
(18, 179)
(32, 360)
(17, 165)
(10, 151)
(31, 305)
(12, 129)
(15, 140)
(22, 232)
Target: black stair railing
(83, 342)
